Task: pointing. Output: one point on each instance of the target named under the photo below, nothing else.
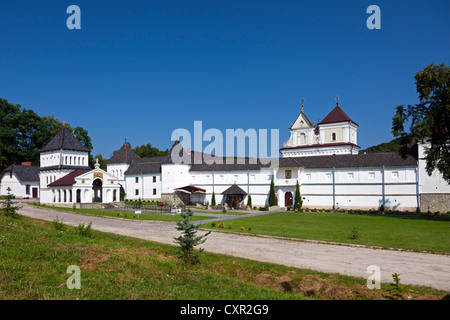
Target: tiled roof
(336, 115)
(234, 189)
(69, 179)
(370, 160)
(123, 155)
(145, 165)
(65, 140)
(23, 173)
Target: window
(154, 191)
(395, 174)
(308, 176)
(333, 136)
(136, 192)
(371, 175)
(154, 180)
(252, 177)
(327, 176)
(136, 179)
(349, 176)
(288, 174)
(27, 189)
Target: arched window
(79, 160)
(333, 136)
(82, 161)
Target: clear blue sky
(141, 69)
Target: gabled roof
(65, 140)
(123, 155)
(234, 189)
(302, 115)
(23, 173)
(336, 115)
(145, 165)
(69, 179)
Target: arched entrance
(97, 187)
(78, 196)
(288, 199)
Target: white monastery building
(324, 159)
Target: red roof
(336, 115)
(69, 179)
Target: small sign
(138, 212)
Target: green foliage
(249, 201)
(272, 197)
(9, 209)
(23, 133)
(428, 120)
(58, 224)
(147, 150)
(85, 231)
(213, 200)
(354, 234)
(396, 289)
(188, 240)
(298, 198)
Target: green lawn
(407, 232)
(126, 214)
(34, 258)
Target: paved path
(424, 269)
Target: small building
(23, 180)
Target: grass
(34, 258)
(127, 214)
(405, 232)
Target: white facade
(20, 189)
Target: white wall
(18, 188)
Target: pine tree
(189, 240)
(298, 198)
(213, 200)
(272, 198)
(9, 209)
(249, 201)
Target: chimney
(27, 163)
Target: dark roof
(23, 173)
(234, 189)
(145, 165)
(322, 145)
(65, 140)
(69, 179)
(66, 167)
(336, 115)
(124, 155)
(370, 160)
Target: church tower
(335, 134)
(61, 156)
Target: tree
(298, 198)
(249, 201)
(272, 197)
(429, 119)
(9, 209)
(213, 200)
(146, 150)
(189, 240)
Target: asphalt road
(424, 269)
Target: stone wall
(435, 202)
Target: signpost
(138, 212)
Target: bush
(85, 231)
(58, 224)
(354, 234)
(221, 225)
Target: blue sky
(141, 69)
